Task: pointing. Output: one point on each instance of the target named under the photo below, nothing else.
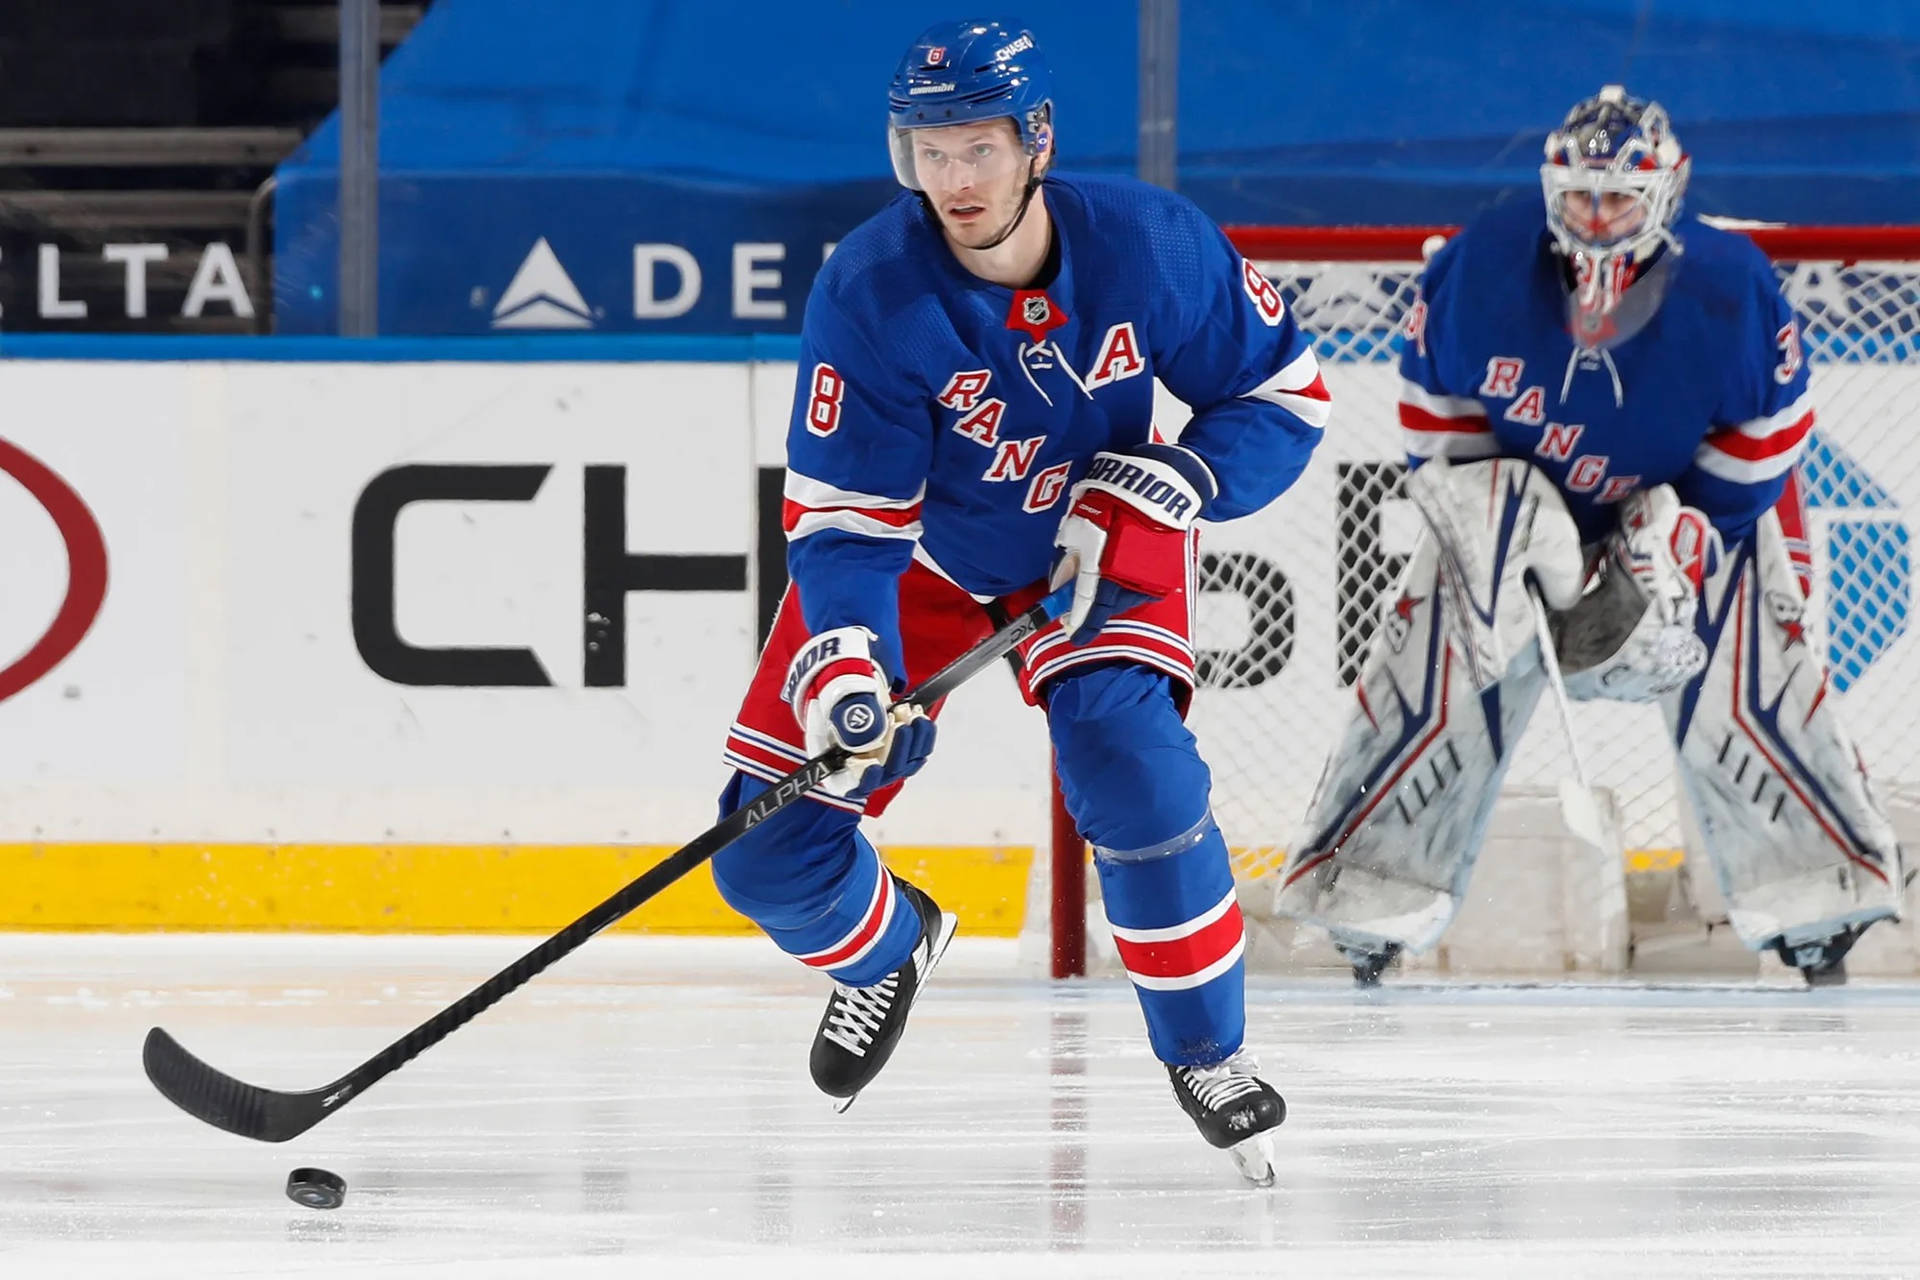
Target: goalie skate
(1235, 1110)
(863, 1025)
(1369, 959)
(1822, 963)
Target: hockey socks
(1134, 782)
(1179, 934)
(818, 889)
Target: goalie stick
(270, 1115)
(1591, 818)
(1577, 805)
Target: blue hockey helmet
(1614, 179)
(960, 72)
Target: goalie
(1623, 391)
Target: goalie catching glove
(842, 698)
(1631, 639)
(1123, 541)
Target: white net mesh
(1290, 597)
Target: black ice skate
(863, 1024)
(1234, 1110)
(1369, 963)
(1823, 963)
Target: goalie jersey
(1702, 386)
(944, 418)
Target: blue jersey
(1709, 396)
(942, 417)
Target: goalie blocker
(1801, 851)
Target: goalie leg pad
(1801, 848)
(1401, 810)
(1495, 524)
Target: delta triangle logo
(542, 295)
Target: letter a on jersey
(1119, 357)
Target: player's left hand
(1123, 541)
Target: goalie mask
(1614, 179)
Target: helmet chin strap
(1026, 198)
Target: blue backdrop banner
(664, 167)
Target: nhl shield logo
(1034, 313)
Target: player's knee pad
(1403, 803)
(783, 873)
(1129, 769)
(1801, 848)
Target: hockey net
(1290, 597)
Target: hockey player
(1623, 396)
(974, 417)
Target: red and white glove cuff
(1694, 545)
(830, 666)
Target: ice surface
(644, 1110)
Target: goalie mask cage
(1289, 599)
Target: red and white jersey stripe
(1441, 426)
(862, 937)
(1186, 955)
(1299, 389)
(812, 505)
(1760, 449)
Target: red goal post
(1289, 597)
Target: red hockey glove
(1123, 541)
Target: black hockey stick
(269, 1115)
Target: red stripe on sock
(868, 930)
(1182, 957)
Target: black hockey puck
(316, 1188)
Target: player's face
(975, 175)
(1612, 217)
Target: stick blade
(1581, 812)
(1595, 884)
(209, 1094)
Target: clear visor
(952, 158)
(1602, 210)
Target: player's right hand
(842, 698)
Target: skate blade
(840, 1105)
(1254, 1158)
(949, 925)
